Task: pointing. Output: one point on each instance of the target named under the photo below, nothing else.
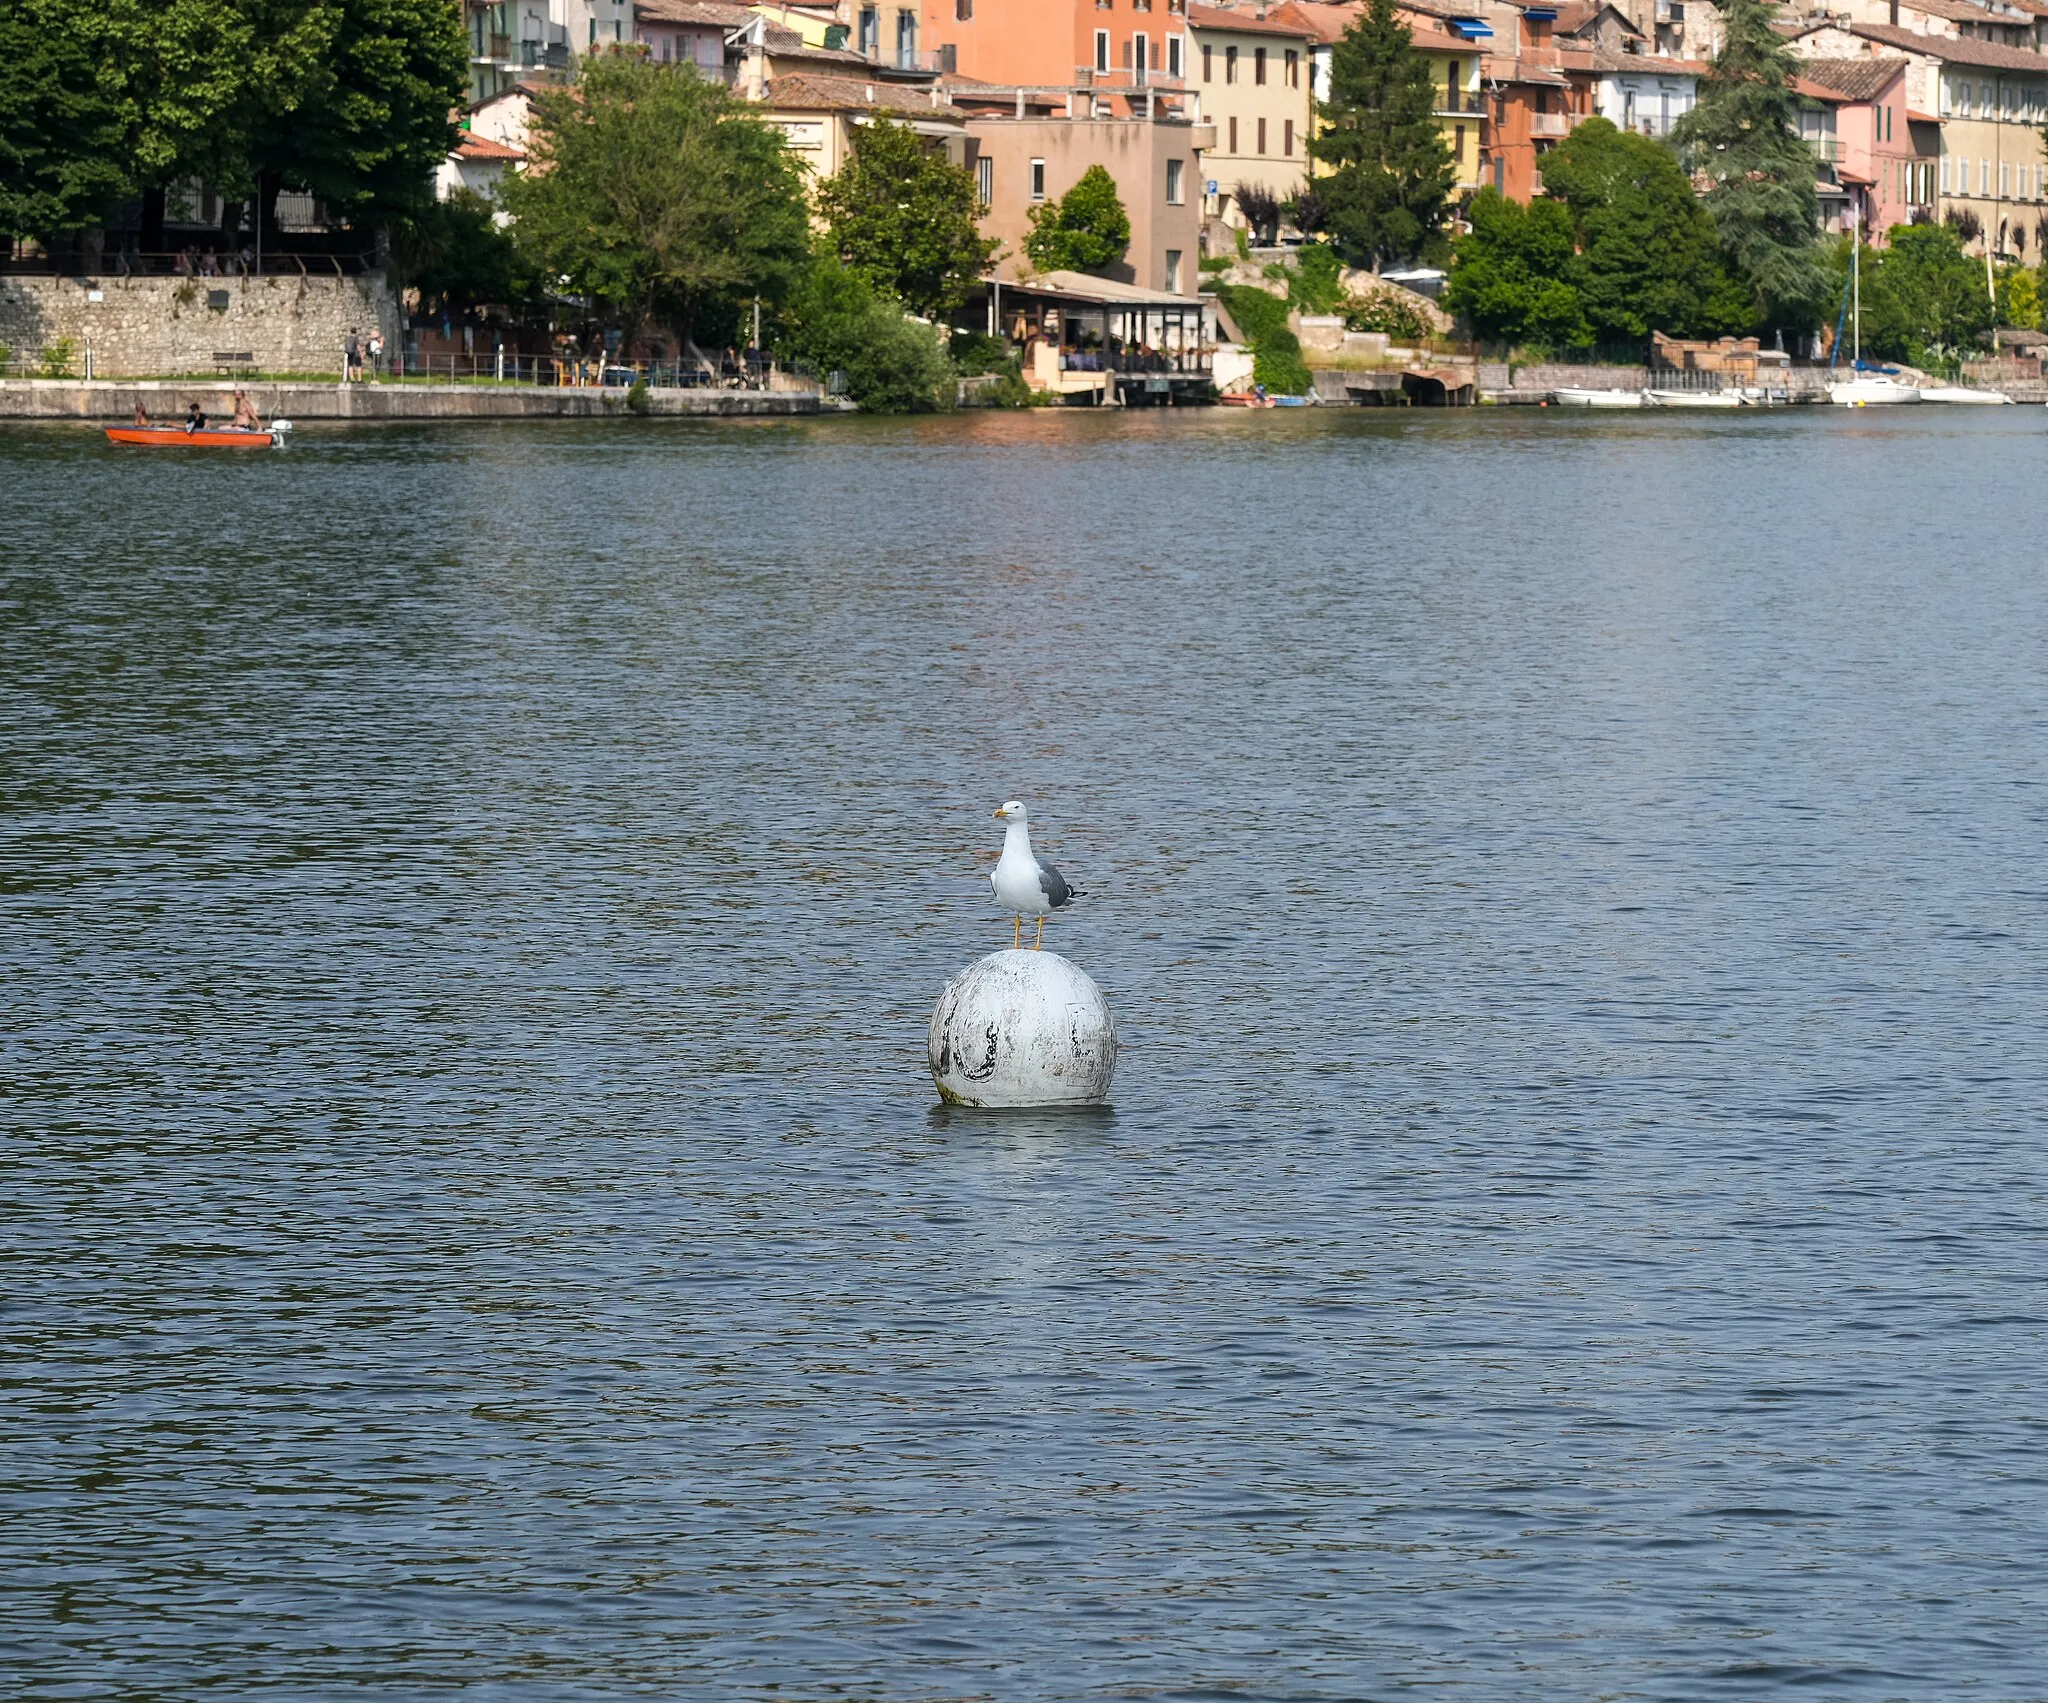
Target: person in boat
(195, 417)
(141, 415)
(245, 412)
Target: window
(985, 180)
(1038, 180)
(1262, 136)
(1208, 63)
(1173, 271)
(1176, 67)
(963, 11)
(1141, 58)
(906, 39)
(1984, 99)
(870, 30)
(1944, 174)
(593, 32)
(1233, 137)
(1102, 50)
(1259, 66)
(2004, 180)
(1230, 64)
(1457, 145)
(1984, 179)
(1451, 87)
(1293, 69)
(1175, 169)
(1287, 137)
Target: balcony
(1827, 150)
(496, 50)
(544, 56)
(1551, 125)
(1467, 105)
(1671, 12)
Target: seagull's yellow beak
(1001, 812)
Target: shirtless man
(245, 412)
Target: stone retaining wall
(57, 399)
(141, 326)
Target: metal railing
(134, 263)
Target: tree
(903, 217)
(1086, 230)
(101, 98)
(1740, 137)
(455, 254)
(836, 320)
(657, 192)
(1261, 209)
(1648, 258)
(1509, 274)
(1386, 194)
(1923, 297)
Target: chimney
(1895, 14)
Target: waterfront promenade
(165, 399)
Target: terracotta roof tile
(1854, 79)
(810, 92)
(1264, 21)
(472, 147)
(1987, 55)
(711, 14)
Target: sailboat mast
(1856, 284)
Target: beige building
(821, 115)
(1251, 73)
(1030, 146)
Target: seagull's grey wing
(1053, 885)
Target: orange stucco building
(1120, 44)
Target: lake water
(1572, 1220)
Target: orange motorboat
(204, 437)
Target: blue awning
(1540, 14)
(1472, 29)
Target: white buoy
(1022, 1029)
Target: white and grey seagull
(1025, 883)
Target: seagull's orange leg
(1017, 931)
(1040, 947)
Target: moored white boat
(1572, 396)
(1871, 392)
(1963, 393)
(1696, 399)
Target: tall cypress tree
(1387, 193)
(1741, 137)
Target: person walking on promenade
(351, 358)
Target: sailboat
(1864, 390)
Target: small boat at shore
(204, 437)
(1871, 392)
(1963, 393)
(1696, 399)
(1572, 396)
(1246, 399)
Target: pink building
(1885, 158)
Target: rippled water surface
(1571, 1224)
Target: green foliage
(2019, 297)
(659, 193)
(974, 355)
(1923, 297)
(905, 218)
(836, 321)
(636, 398)
(101, 99)
(1387, 311)
(1086, 230)
(454, 253)
(1316, 282)
(1276, 351)
(1648, 257)
(1511, 271)
(60, 359)
(1740, 135)
(1385, 196)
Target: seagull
(1026, 884)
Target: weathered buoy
(1022, 1029)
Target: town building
(1250, 70)
(1989, 101)
(1029, 146)
(1101, 44)
(1886, 162)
